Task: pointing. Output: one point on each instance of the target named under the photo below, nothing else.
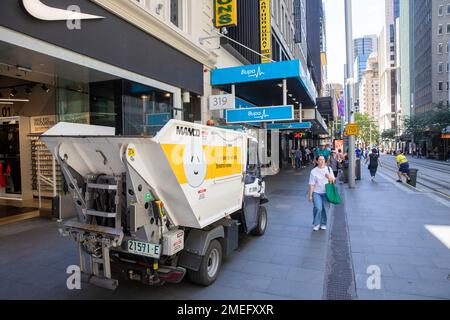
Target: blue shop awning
(261, 84)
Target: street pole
(349, 84)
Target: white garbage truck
(152, 209)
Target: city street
(385, 225)
(433, 176)
(173, 142)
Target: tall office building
(315, 40)
(390, 112)
(363, 47)
(431, 37)
(406, 62)
(369, 88)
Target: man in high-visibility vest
(403, 167)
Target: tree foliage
(388, 134)
(434, 121)
(368, 128)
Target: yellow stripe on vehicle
(221, 161)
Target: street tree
(368, 128)
(388, 134)
(435, 121)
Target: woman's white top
(318, 179)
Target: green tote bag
(333, 195)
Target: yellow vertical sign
(266, 31)
(225, 13)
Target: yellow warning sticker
(131, 152)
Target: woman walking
(320, 176)
(374, 161)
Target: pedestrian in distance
(304, 157)
(334, 163)
(318, 179)
(358, 153)
(298, 158)
(324, 152)
(308, 155)
(403, 167)
(292, 155)
(374, 161)
(341, 156)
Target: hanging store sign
(290, 126)
(221, 102)
(265, 30)
(225, 13)
(268, 114)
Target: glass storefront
(133, 109)
(72, 100)
(145, 109)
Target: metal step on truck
(152, 209)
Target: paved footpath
(403, 232)
(384, 224)
(288, 262)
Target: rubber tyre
(201, 276)
(262, 222)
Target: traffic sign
(352, 129)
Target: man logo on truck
(189, 132)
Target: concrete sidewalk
(385, 225)
(288, 262)
(403, 232)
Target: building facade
(390, 113)
(369, 88)
(431, 37)
(150, 68)
(363, 47)
(406, 62)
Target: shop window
(145, 109)
(192, 110)
(105, 104)
(72, 100)
(176, 13)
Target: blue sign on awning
(258, 72)
(267, 114)
(290, 126)
(274, 71)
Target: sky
(368, 19)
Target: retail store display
(42, 167)
(10, 158)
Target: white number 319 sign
(221, 102)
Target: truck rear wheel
(210, 266)
(262, 222)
